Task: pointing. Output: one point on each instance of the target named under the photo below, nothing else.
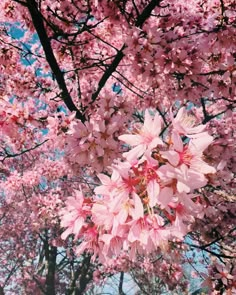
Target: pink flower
(153, 190)
(150, 178)
(112, 245)
(74, 215)
(223, 273)
(137, 208)
(165, 197)
(191, 207)
(191, 154)
(118, 202)
(146, 139)
(184, 123)
(101, 216)
(182, 178)
(139, 231)
(89, 243)
(109, 184)
(196, 147)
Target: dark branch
(121, 292)
(219, 255)
(109, 72)
(1, 290)
(210, 117)
(8, 155)
(83, 275)
(206, 115)
(139, 23)
(40, 29)
(146, 13)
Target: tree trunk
(1, 290)
(83, 276)
(50, 256)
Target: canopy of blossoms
(117, 143)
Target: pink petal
(122, 216)
(134, 232)
(165, 196)
(148, 121)
(171, 156)
(182, 187)
(153, 190)
(138, 207)
(198, 145)
(131, 139)
(177, 141)
(200, 166)
(133, 155)
(157, 124)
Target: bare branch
(139, 23)
(120, 289)
(8, 155)
(40, 29)
(146, 13)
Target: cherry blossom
(117, 145)
(146, 139)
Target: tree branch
(82, 274)
(219, 255)
(1, 290)
(108, 72)
(8, 155)
(50, 256)
(41, 31)
(146, 13)
(139, 23)
(121, 292)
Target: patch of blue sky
(28, 59)
(40, 104)
(62, 109)
(194, 257)
(177, 103)
(58, 154)
(43, 183)
(53, 184)
(35, 39)
(15, 30)
(11, 100)
(190, 105)
(111, 285)
(116, 88)
(8, 150)
(2, 192)
(44, 131)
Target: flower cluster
(95, 143)
(151, 196)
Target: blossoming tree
(117, 143)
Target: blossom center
(185, 157)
